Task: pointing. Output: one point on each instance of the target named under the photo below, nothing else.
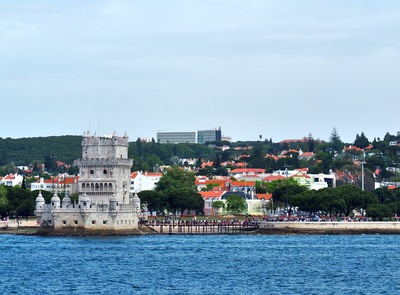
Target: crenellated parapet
(100, 162)
(88, 139)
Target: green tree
(184, 198)
(284, 188)
(336, 143)
(378, 211)
(4, 204)
(154, 201)
(355, 198)
(311, 142)
(361, 141)
(257, 158)
(176, 178)
(218, 205)
(21, 201)
(235, 204)
(180, 188)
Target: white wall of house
(144, 182)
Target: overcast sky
(280, 69)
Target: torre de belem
(105, 204)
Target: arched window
(101, 187)
(83, 187)
(106, 187)
(105, 171)
(91, 172)
(92, 187)
(97, 187)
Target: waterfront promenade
(330, 227)
(237, 227)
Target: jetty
(204, 229)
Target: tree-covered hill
(146, 155)
(24, 151)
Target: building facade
(199, 136)
(60, 184)
(105, 204)
(11, 180)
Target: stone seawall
(329, 227)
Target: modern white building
(105, 204)
(199, 136)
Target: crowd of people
(205, 222)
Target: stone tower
(104, 169)
(105, 204)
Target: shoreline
(334, 228)
(264, 228)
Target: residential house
(62, 183)
(12, 180)
(144, 181)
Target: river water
(213, 264)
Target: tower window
(104, 171)
(91, 172)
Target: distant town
(286, 178)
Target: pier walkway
(203, 228)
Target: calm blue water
(298, 264)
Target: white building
(144, 181)
(105, 204)
(60, 184)
(12, 180)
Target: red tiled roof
(273, 177)
(211, 194)
(264, 196)
(9, 177)
(242, 183)
(271, 156)
(307, 155)
(300, 175)
(247, 170)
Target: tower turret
(66, 201)
(114, 202)
(55, 201)
(136, 203)
(84, 201)
(39, 201)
